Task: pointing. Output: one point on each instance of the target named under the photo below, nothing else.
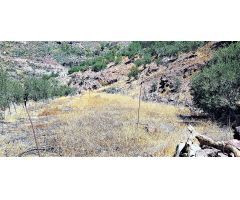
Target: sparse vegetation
(133, 72)
(147, 51)
(99, 62)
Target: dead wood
(189, 149)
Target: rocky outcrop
(170, 81)
(90, 80)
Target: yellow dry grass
(101, 124)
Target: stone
(237, 132)
(220, 154)
(151, 128)
(152, 68)
(193, 148)
(167, 60)
(169, 128)
(208, 152)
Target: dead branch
(139, 104)
(36, 149)
(223, 146)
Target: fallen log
(232, 146)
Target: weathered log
(224, 146)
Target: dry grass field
(99, 124)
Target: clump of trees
(216, 89)
(15, 92)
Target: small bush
(112, 90)
(118, 59)
(139, 62)
(77, 69)
(133, 72)
(99, 64)
(177, 84)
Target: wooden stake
(34, 133)
(3, 117)
(139, 104)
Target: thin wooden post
(139, 104)
(3, 117)
(33, 130)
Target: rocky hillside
(166, 80)
(44, 58)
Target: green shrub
(118, 59)
(52, 75)
(132, 50)
(133, 72)
(177, 84)
(217, 88)
(11, 91)
(77, 69)
(4, 93)
(147, 59)
(139, 62)
(99, 64)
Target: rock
(208, 152)
(193, 148)
(220, 154)
(237, 132)
(179, 148)
(169, 128)
(151, 128)
(152, 68)
(167, 60)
